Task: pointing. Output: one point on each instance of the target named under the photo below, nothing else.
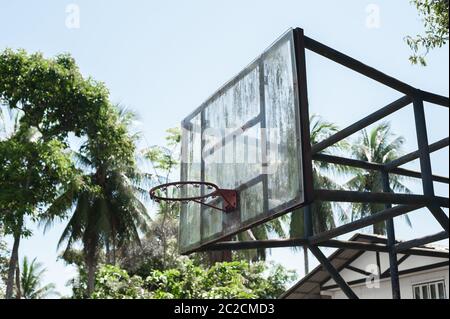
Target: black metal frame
(406, 203)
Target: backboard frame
(233, 222)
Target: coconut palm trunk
(14, 260)
(18, 285)
(108, 251)
(91, 267)
(306, 259)
(114, 247)
(12, 267)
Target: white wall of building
(406, 283)
(429, 275)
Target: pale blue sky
(163, 58)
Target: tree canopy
(52, 93)
(55, 100)
(229, 280)
(31, 175)
(436, 23)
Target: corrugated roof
(309, 286)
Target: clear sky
(163, 58)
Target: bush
(233, 280)
(115, 283)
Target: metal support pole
(333, 272)
(308, 223)
(308, 231)
(425, 161)
(393, 265)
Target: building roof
(309, 287)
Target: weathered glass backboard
(246, 137)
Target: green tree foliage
(31, 281)
(164, 162)
(30, 176)
(4, 253)
(52, 93)
(224, 280)
(78, 284)
(33, 169)
(115, 283)
(55, 100)
(436, 23)
(379, 145)
(152, 254)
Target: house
(423, 274)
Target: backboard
(250, 136)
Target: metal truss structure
(404, 203)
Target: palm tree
(31, 281)
(381, 146)
(261, 232)
(106, 204)
(322, 212)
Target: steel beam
(425, 163)
(283, 243)
(390, 230)
(393, 265)
(354, 245)
(363, 222)
(361, 124)
(347, 162)
(440, 216)
(424, 149)
(308, 232)
(303, 112)
(383, 198)
(434, 98)
(409, 173)
(373, 166)
(333, 272)
(400, 247)
(256, 244)
(357, 270)
(359, 67)
(372, 73)
(415, 155)
(380, 248)
(409, 248)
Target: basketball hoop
(229, 196)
